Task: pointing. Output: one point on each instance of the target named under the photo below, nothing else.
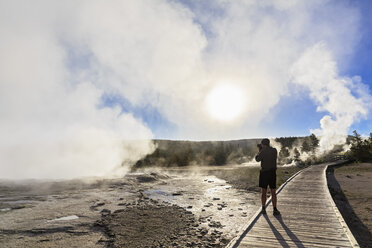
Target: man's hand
(259, 147)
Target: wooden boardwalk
(309, 217)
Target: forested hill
(183, 153)
(298, 150)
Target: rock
(103, 240)
(119, 211)
(18, 207)
(105, 212)
(201, 219)
(189, 207)
(215, 224)
(216, 199)
(222, 205)
(146, 178)
(225, 241)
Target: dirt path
(351, 189)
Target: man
(267, 155)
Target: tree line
(301, 150)
(292, 148)
(188, 153)
(361, 148)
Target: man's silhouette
(267, 155)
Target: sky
(81, 79)
(295, 113)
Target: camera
(259, 146)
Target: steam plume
(345, 99)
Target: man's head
(265, 142)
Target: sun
(225, 102)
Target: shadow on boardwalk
(288, 231)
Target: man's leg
(273, 197)
(263, 199)
(263, 196)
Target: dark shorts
(267, 178)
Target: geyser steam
(53, 122)
(70, 137)
(345, 99)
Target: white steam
(345, 99)
(53, 125)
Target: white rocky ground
(142, 209)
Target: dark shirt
(267, 156)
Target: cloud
(58, 58)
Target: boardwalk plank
(308, 236)
(322, 233)
(273, 242)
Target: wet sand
(149, 209)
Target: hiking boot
(263, 211)
(276, 212)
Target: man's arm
(259, 156)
